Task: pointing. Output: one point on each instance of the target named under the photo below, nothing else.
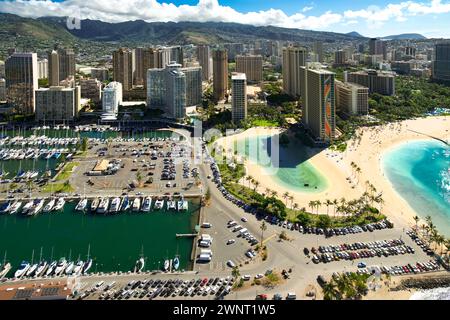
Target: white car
(244, 219)
(231, 241)
(231, 264)
(259, 276)
(246, 277)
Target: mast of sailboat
(89, 250)
(51, 256)
(32, 257)
(40, 256)
(4, 258)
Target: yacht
(5, 207)
(146, 206)
(159, 204)
(81, 205)
(41, 268)
(126, 203)
(140, 264)
(166, 265)
(51, 268)
(38, 205)
(176, 263)
(4, 269)
(183, 205)
(31, 270)
(23, 268)
(115, 205)
(62, 264)
(60, 204)
(94, 204)
(78, 268)
(103, 206)
(69, 268)
(171, 205)
(49, 206)
(15, 207)
(27, 207)
(87, 265)
(136, 204)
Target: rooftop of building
(238, 76)
(56, 88)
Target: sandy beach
(365, 150)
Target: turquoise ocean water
(420, 173)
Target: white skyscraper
(112, 98)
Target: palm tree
(256, 184)
(139, 178)
(263, 228)
(295, 206)
(318, 205)
(330, 291)
(335, 203)
(274, 193)
(291, 199)
(286, 196)
(312, 205)
(328, 203)
(267, 191)
(249, 178)
(416, 219)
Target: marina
(76, 240)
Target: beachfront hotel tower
(239, 97)
(123, 68)
(318, 94)
(204, 59)
(293, 59)
(441, 63)
(220, 74)
(21, 70)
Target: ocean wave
(432, 294)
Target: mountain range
(49, 29)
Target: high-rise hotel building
(61, 65)
(220, 74)
(21, 71)
(293, 59)
(318, 94)
(252, 66)
(239, 97)
(441, 63)
(205, 61)
(123, 68)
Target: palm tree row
(345, 287)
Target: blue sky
(370, 18)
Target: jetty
(430, 136)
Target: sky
(370, 18)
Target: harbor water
(116, 241)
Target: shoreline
(366, 149)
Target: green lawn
(58, 188)
(264, 123)
(67, 171)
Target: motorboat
(5, 207)
(23, 268)
(115, 205)
(136, 204)
(103, 206)
(94, 204)
(126, 204)
(146, 206)
(166, 265)
(171, 205)
(159, 204)
(15, 207)
(59, 204)
(81, 205)
(27, 207)
(176, 263)
(49, 206)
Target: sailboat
(23, 268)
(78, 267)
(60, 204)
(32, 268)
(41, 267)
(126, 203)
(81, 205)
(94, 204)
(4, 267)
(88, 264)
(49, 206)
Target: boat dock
(186, 235)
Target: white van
(205, 244)
(291, 296)
(204, 258)
(206, 225)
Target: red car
(261, 297)
(204, 281)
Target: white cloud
(212, 10)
